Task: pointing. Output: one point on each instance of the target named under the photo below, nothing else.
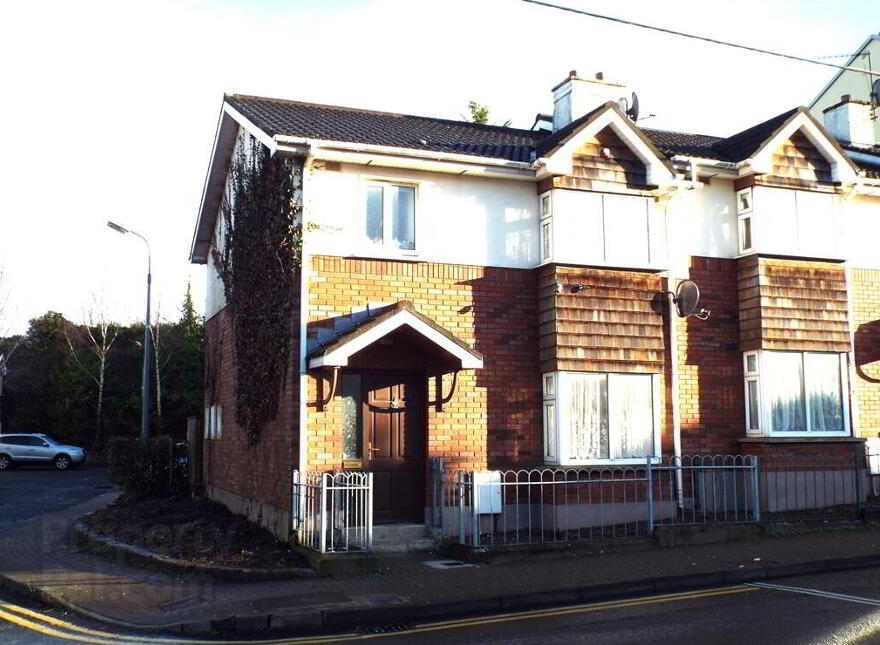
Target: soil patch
(193, 530)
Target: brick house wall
(710, 373)
(865, 293)
(250, 480)
(494, 418)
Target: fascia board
(339, 357)
(317, 151)
(324, 146)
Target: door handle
(371, 449)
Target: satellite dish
(633, 111)
(875, 94)
(687, 301)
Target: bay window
(594, 418)
(390, 215)
(796, 393)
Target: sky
(110, 107)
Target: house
(502, 298)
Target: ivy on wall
(258, 255)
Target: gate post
(756, 491)
(369, 511)
(650, 493)
(475, 507)
(323, 545)
(460, 492)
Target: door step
(402, 538)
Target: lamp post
(145, 373)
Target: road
(30, 490)
(790, 614)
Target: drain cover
(446, 564)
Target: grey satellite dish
(875, 94)
(633, 111)
(687, 301)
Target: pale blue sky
(110, 107)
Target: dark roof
(330, 122)
(294, 118)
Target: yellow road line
(51, 626)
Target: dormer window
(390, 215)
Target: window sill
(802, 439)
(385, 254)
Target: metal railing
(562, 505)
(332, 512)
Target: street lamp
(145, 374)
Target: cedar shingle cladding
(796, 163)
(791, 305)
(603, 163)
(613, 326)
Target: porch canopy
(393, 336)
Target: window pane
(374, 214)
(550, 430)
(545, 205)
(824, 392)
(752, 363)
(631, 415)
(403, 216)
(352, 437)
(753, 405)
(784, 388)
(545, 240)
(747, 233)
(584, 410)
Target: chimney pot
(600, 76)
(573, 73)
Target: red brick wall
(865, 293)
(259, 473)
(710, 376)
(494, 417)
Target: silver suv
(37, 448)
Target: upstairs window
(390, 215)
(792, 393)
(546, 228)
(744, 216)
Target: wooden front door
(394, 444)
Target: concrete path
(35, 555)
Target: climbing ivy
(258, 255)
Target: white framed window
(796, 393)
(389, 215)
(601, 418)
(744, 201)
(546, 227)
(744, 218)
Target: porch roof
(379, 323)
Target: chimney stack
(849, 121)
(575, 96)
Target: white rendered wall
(602, 229)
(215, 298)
(861, 231)
(796, 222)
(459, 219)
(701, 222)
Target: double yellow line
(51, 626)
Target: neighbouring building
(499, 297)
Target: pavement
(37, 558)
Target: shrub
(155, 468)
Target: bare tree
(8, 344)
(161, 358)
(98, 333)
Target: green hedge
(155, 468)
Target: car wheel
(5, 462)
(62, 462)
